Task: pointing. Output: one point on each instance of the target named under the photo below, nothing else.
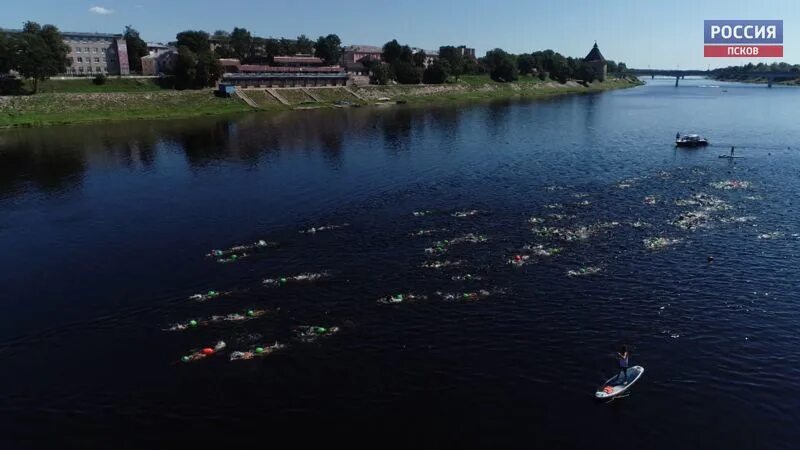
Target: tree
(406, 73)
(559, 68)
(585, 72)
(137, 48)
(525, 64)
(39, 53)
(392, 51)
(6, 49)
(241, 43)
(208, 70)
(621, 67)
(436, 73)
(329, 48)
(501, 66)
(420, 58)
(287, 47)
(185, 68)
(304, 45)
(456, 61)
(380, 73)
(406, 55)
(196, 41)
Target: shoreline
(67, 108)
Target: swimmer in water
(465, 296)
(197, 355)
(466, 277)
(312, 333)
(257, 352)
(235, 317)
(208, 296)
(314, 230)
(463, 214)
(440, 264)
(216, 253)
(400, 298)
(302, 278)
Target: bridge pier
(769, 81)
(677, 77)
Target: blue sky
(665, 34)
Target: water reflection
(35, 163)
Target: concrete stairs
(245, 98)
(278, 96)
(312, 95)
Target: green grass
(264, 100)
(85, 85)
(481, 88)
(331, 95)
(295, 96)
(141, 99)
(52, 109)
(480, 80)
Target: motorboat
(690, 140)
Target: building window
(77, 49)
(80, 60)
(89, 69)
(97, 60)
(86, 49)
(80, 69)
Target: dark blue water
(104, 229)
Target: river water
(105, 228)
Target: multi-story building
(159, 60)
(430, 55)
(96, 53)
(93, 53)
(466, 52)
(354, 56)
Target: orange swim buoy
(207, 351)
(608, 389)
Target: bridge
(680, 74)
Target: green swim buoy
(185, 358)
(251, 313)
(192, 323)
(259, 349)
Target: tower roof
(594, 54)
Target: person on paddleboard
(622, 357)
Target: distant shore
(78, 101)
(792, 82)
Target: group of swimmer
(304, 334)
(250, 314)
(301, 278)
(238, 252)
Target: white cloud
(100, 10)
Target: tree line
(249, 49)
(399, 63)
(744, 72)
(36, 53)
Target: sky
(665, 34)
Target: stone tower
(598, 63)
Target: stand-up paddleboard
(730, 157)
(617, 384)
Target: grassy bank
(80, 101)
(481, 88)
(56, 108)
(759, 80)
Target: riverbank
(69, 102)
(759, 80)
